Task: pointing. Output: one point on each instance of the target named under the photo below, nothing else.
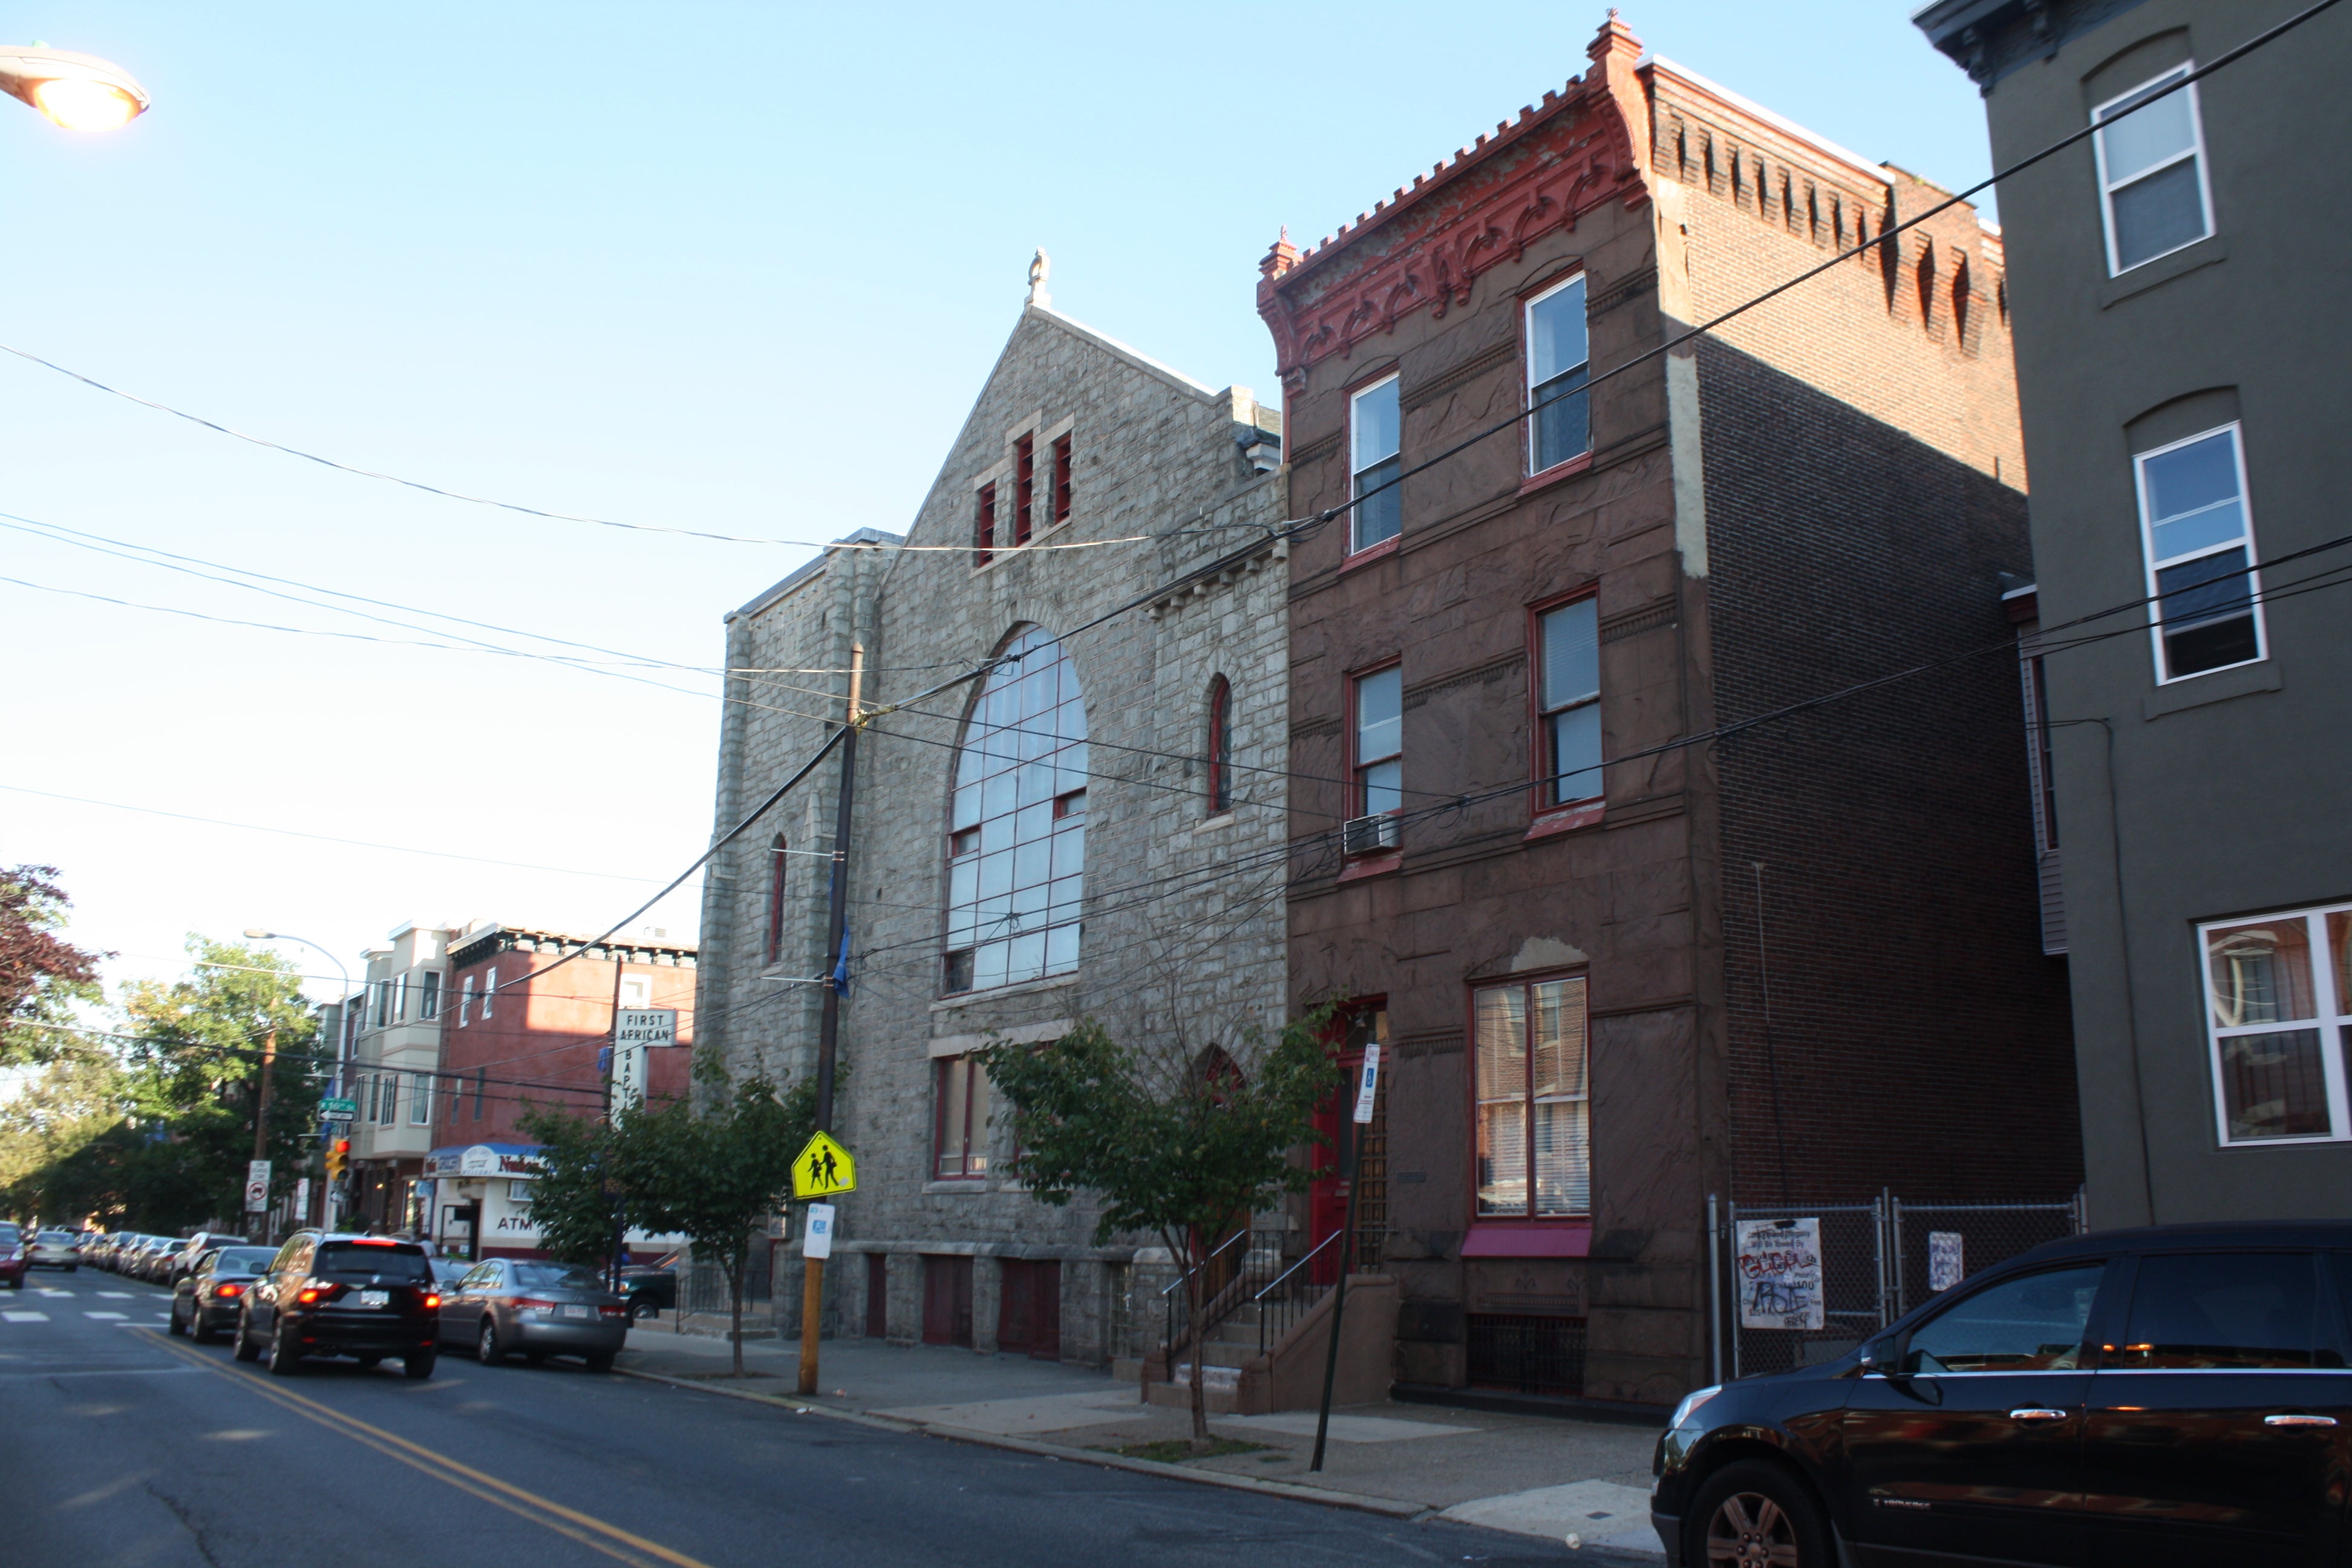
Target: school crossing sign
(822, 1168)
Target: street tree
(54, 1149)
(714, 1172)
(573, 1196)
(196, 1064)
(42, 975)
(1174, 1142)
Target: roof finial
(1040, 266)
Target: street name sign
(822, 1168)
(333, 1110)
(644, 1026)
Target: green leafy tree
(1173, 1143)
(572, 1199)
(714, 1172)
(42, 975)
(51, 1132)
(194, 1069)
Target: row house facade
(1042, 846)
(391, 1066)
(2182, 412)
(1631, 937)
(527, 1016)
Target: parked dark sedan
(13, 1258)
(209, 1295)
(324, 1294)
(2174, 1397)
(651, 1288)
(510, 1304)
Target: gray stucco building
(1094, 830)
(2176, 285)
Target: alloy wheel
(1750, 1530)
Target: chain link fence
(1799, 1284)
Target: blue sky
(731, 266)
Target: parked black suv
(2166, 1397)
(326, 1294)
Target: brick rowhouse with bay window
(1616, 971)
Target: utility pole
(261, 1111)
(829, 1028)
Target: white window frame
(465, 1004)
(1355, 514)
(2331, 1017)
(1528, 363)
(388, 1106)
(2148, 557)
(420, 1100)
(489, 990)
(2197, 143)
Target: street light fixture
(256, 934)
(79, 92)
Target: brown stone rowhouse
(1805, 956)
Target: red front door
(1327, 1199)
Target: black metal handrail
(1246, 1255)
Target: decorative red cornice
(1425, 246)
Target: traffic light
(338, 1156)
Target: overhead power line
(445, 494)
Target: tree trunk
(1193, 1282)
(735, 1294)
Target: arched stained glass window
(1016, 831)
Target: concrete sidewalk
(1532, 1475)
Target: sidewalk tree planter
(1176, 1142)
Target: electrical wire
(321, 837)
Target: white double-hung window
(1376, 444)
(2278, 995)
(2152, 172)
(2201, 553)
(1558, 358)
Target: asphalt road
(120, 1445)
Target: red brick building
(1622, 958)
(526, 1018)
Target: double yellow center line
(610, 1540)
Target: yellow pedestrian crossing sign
(822, 1168)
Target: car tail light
(532, 1304)
(432, 1298)
(225, 1292)
(612, 1311)
(309, 1295)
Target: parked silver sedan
(515, 1304)
(54, 1249)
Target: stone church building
(1094, 830)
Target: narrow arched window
(777, 859)
(1016, 828)
(1220, 746)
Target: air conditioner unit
(1369, 834)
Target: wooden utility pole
(261, 1104)
(829, 1026)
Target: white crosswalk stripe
(22, 1317)
(119, 1295)
(116, 1316)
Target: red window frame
(1024, 487)
(1221, 745)
(777, 859)
(971, 1163)
(1359, 802)
(1061, 479)
(1541, 782)
(983, 526)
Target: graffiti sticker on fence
(1778, 1263)
(1944, 1269)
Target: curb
(1386, 1507)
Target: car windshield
(396, 1263)
(556, 1277)
(243, 1260)
(9, 1233)
(64, 1235)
